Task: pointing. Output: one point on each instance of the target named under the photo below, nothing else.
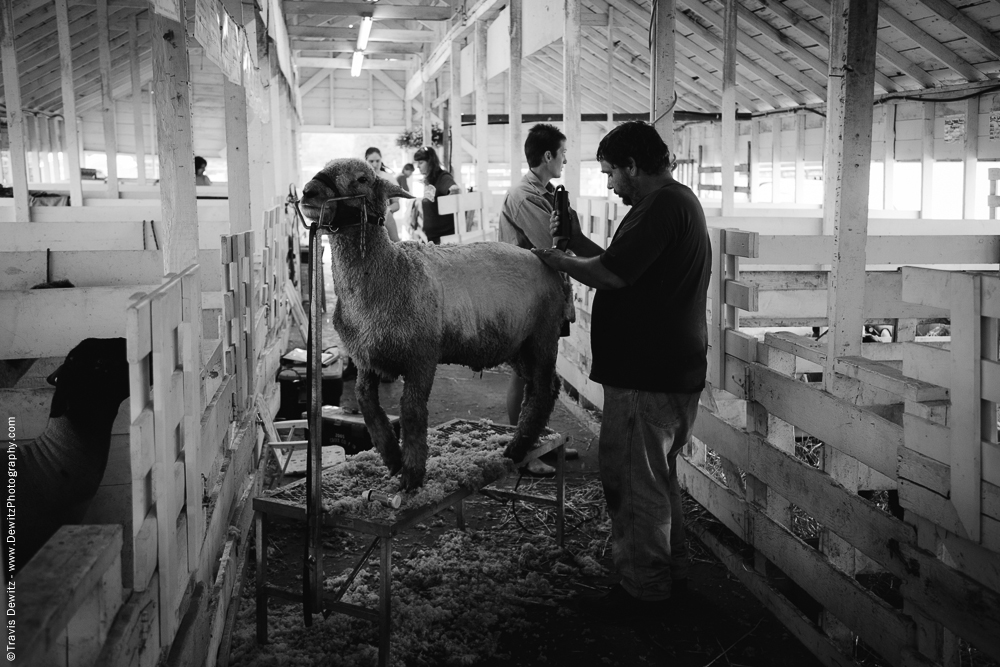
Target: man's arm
(588, 270)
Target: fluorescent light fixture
(364, 31)
(356, 63)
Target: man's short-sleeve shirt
(524, 217)
(652, 334)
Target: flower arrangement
(414, 138)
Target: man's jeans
(641, 434)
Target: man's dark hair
(542, 137)
(199, 162)
(638, 140)
(408, 167)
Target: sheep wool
(403, 308)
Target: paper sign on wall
(207, 29)
(954, 129)
(995, 126)
(168, 8)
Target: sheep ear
(58, 408)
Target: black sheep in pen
(59, 473)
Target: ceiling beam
(349, 46)
(745, 61)
(763, 51)
(378, 11)
(313, 81)
(928, 43)
(964, 24)
(345, 63)
(822, 39)
(377, 35)
(715, 81)
(693, 49)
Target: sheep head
(356, 189)
(93, 379)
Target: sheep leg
(413, 417)
(384, 438)
(540, 392)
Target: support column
(425, 98)
(800, 156)
(610, 48)
(514, 81)
(889, 161)
(107, 99)
(847, 167)
(754, 178)
(971, 157)
(280, 168)
(237, 143)
(173, 132)
(15, 117)
(572, 96)
(728, 138)
(775, 157)
(927, 161)
(140, 142)
(662, 79)
(455, 110)
(482, 110)
(72, 140)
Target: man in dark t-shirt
(649, 343)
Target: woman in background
(437, 183)
(373, 157)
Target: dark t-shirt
(652, 335)
(435, 225)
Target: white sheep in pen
(403, 308)
(59, 472)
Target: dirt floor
(524, 610)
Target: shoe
(539, 469)
(618, 604)
(571, 454)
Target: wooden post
(425, 98)
(58, 148)
(455, 109)
(15, 116)
(278, 141)
(237, 143)
(107, 99)
(45, 150)
(257, 141)
(754, 158)
(140, 141)
(514, 81)
(847, 167)
(800, 156)
(333, 98)
(927, 161)
(728, 137)
(775, 157)
(173, 130)
(610, 101)
(572, 94)
(482, 111)
(662, 67)
(31, 143)
(971, 157)
(889, 163)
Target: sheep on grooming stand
(403, 308)
(59, 473)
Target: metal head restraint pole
(313, 570)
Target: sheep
(59, 473)
(403, 308)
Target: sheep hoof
(515, 451)
(411, 479)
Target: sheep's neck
(92, 426)
(360, 279)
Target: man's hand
(551, 256)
